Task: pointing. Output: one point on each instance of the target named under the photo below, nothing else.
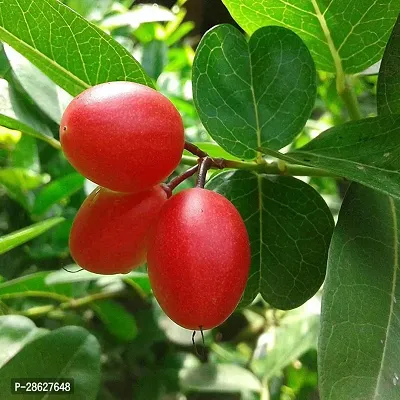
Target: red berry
(123, 136)
(198, 258)
(110, 231)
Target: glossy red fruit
(110, 231)
(123, 136)
(198, 258)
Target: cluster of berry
(128, 138)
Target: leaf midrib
(73, 78)
(327, 33)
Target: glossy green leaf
(256, 93)
(116, 319)
(290, 227)
(359, 347)
(296, 334)
(56, 191)
(21, 178)
(15, 332)
(341, 35)
(15, 114)
(68, 352)
(365, 151)
(51, 99)
(219, 378)
(389, 76)
(88, 57)
(14, 239)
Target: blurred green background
(258, 352)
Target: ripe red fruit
(198, 258)
(123, 136)
(110, 231)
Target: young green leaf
(343, 37)
(15, 332)
(256, 93)
(225, 378)
(389, 76)
(290, 227)
(22, 178)
(69, 352)
(56, 191)
(359, 350)
(116, 319)
(18, 181)
(68, 49)
(365, 151)
(14, 239)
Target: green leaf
(389, 76)
(219, 378)
(139, 14)
(91, 10)
(68, 352)
(25, 154)
(36, 283)
(296, 334)
(51, 99)
(154, 58)
(256, 93)
(40, 30)
(359, 354)
(15, 332)
(15, 114)
(214, 150)
(117, 320)
(56, 191)
(365, 151)
(62, 276)
(180, 32)
(290, 227)
(14, 239)
(21, 178)
(138, 280)
(342, 36)
(5, 67)
(18, 181)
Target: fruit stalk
(205, 164)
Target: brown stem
(179, 179)
(195, 150)
(205, 164)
